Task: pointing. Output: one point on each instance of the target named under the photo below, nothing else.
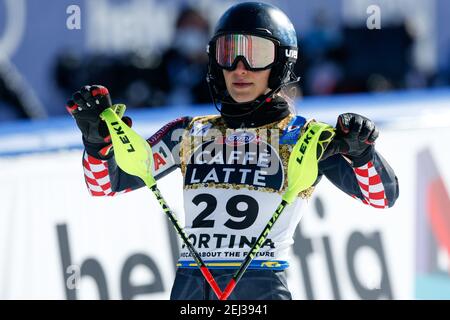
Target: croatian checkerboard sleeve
(105, 178)
(374, 183)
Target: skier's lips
(242, 84)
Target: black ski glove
(86, 106)
(355, 139)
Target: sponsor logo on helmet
(291, 53)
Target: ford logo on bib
(239, 138)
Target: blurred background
(151, 55)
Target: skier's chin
(244, 98)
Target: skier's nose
(240, 68)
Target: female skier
(234, 164)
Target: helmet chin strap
(263, 98)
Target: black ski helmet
(259, 19)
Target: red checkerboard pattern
(96, 175)
(371, 186)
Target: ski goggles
(256, 52)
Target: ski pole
(302, 173)
(134, 155)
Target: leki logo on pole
(304, 145)
(122, 136)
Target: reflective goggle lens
(259, 52)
